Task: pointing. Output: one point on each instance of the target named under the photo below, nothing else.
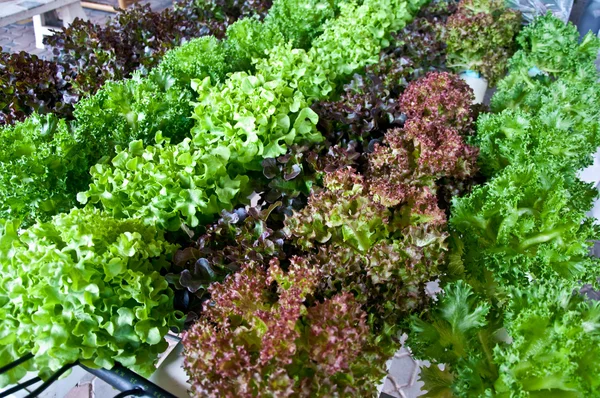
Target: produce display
(286, 183)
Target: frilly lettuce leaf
(86, 287)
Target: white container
(171, 376)
(477, 83)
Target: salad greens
(86, 287)
(511, 322)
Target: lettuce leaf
(86, 287)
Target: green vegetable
(550, 49)
(241, 122)
(198, 58)
(83, 287)
(457, 333)
(562, 138)
(512, 325)
(41, 169)
(555, 344)
(547, 343)
(526, 224)
(137, 108)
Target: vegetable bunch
(142, 108)
(29, 84)
(88, 55)
(83, 287)
(480, 37)
(256, 337)
(511, 322)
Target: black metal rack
(129, 383)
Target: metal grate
(129, 383)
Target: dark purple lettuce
(135, 39)
(29, 84)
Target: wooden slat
(98, 6)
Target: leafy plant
(550, 50)
(559, 139)
(196, 59)
(140, 108)
(258, 339)
(42, 167)
(545, 344)
(365, 248)
(29, 84)
(369, 104)
(219, 14)
(510, 324)
(132, 109)
(238, 237)
(552, 318)
(239, 123)
(526, 225)
(382, 235)
(480, 37)
(137, 38)
(460, 334)
(83, 287)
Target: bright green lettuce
(555, 344)
(129, 110)
(42, 167)
(458, 333)
(204, 56)
(512, 325)
(555, 140)
(241, 121)
(526, 224)
(550, 49)
(546, 344)
(86, 287)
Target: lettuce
(510, 323)
(550, 50)
(254, 340)
(526, 225)
(545, 343)
(239, 123)
(85, 287)
(42, 166)
(480, 37)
